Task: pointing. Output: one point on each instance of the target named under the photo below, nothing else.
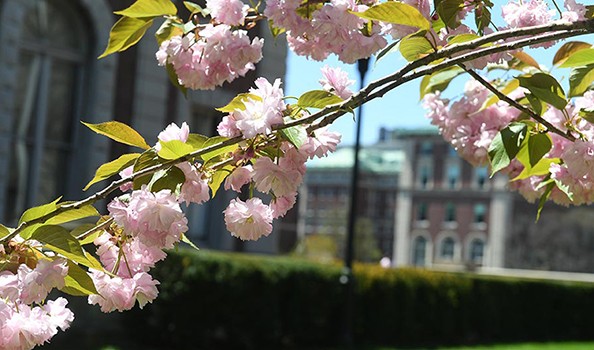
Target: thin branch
(516, 105)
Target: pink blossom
(269, 176)
(195, 189)
(579, 158)
(35, 284)
(526, 13)
(281, 205)
(173, 132)
(321, 143)
(115, 293)
(248, 220)
(60, 316)
(336, 81)
(145, 289)
(136, 257)
(231, 12)
(575, 12)
(217, 55)
(9, 285)
(239, 177)
(125, 173)
(227, 127)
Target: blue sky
(399, 108)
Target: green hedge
(220, 300)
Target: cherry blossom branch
(516, 105)
(386, 84)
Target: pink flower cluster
(316, 31)
(230, 12)
(22, 325)
(216, 55)
(465, 124)
(260, 113)
(337, 81)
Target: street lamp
(347, 276)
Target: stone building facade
(51, 78)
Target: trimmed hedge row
(220, 300)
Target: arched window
(477, 250)
(446, 250)
(419, 251)
(53, 50)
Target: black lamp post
(347, 277)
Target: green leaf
(307, 8)
(587, 114)
(187, 241)
(448, 11)
(172, 75)
(238, 102)
(218, 177)
(4, 231)
(107, 170)
(538, 146)
(147, 159)
(538, 106)
(59, 240)
(437, 25)
(276, 31)
(564, 188)
(125, 33)
(506, 145)
(28, 231)
(569, 49)
(79, 230)
(413, 47)
(482, 15)
(318, 99)
(174, 149)
(72, 215)
(461, 38)
(39, 211)
(546, 88)
(525, 58)
(580, 80)
(196, 141)
(213, 141)
(296, 135)
(578, 58)
(119, 132)
(506, 90)
(541, 202)
(541, 168)
(439, 81)
(396, 13)
(149, 9)
(172, 179)
(78, 282)
(167, 30)
(192, 7)
(387, 50)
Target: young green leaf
(448, 11)
(218, 177)
(569, 49)
(506, 145)
(276, 31)
(507, 89)
(461, 38)
(538, 145)
(173, 78)
(440, 80)
(72, 215)
(119, 132)
(193, 7)
(393, 47)
(526, 59)
(4, 231)
(78, 282)
(167, 30)
(318, 99)
(213, 141)
(174, 149)
(296, 135)
(39, 211)
(107, 170)
(147, 159)
(59, 240)
(413, 47)
(539, 169)
(587, 114)
(187, 241)
(582, 57)
(543, 199)
(149, 9)
(125, 33)
(172, 179)
(79, 230)
(580, 80)
(396, 13)
(482, 15)
(545, 87)
(238, 102)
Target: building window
(480, 210)
(426, 148)
(453, 174)
(49, 96)
(446, 251)
(450, 212)
(477, 248)
(422, 212)
(419, 251)
(481, 175)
